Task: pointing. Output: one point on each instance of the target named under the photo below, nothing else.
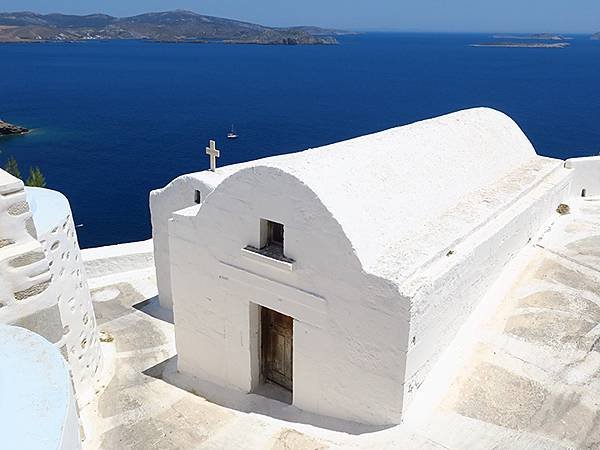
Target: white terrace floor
(524, 373)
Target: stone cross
(212, 151)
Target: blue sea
(114, 120)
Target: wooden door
(277, 342)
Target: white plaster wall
(350, 328)
(80, 336)
(37, 407)
(445, 293)
(178, 194)
(586, 175)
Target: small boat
(231, 134)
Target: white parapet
(37, 406)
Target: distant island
(516, 41)
(317, 31)
(171, 26)
(8, 129)
(596, 37)
(522, 45)
(536, 36)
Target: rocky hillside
(170, 26)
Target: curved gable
(268, 192)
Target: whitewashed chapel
(340, 273)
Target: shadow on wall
(250, 403)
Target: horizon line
(333, 27)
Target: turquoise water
(114, 120)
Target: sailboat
(231, 134)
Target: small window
(197, 197)
(271, 237)
(275, 234)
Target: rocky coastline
(8, 129)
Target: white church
(339, 274)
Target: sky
(555, 16)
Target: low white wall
(37, 406)
(350, 328)
(586, 175)
(121, 258)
